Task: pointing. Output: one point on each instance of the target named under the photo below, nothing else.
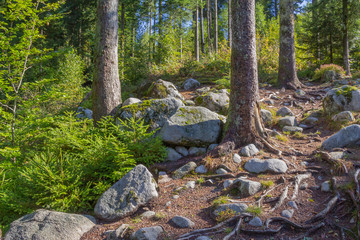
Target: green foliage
(319, 73)
(220, 200)
(266, 184)
(225, 215)
(254, 210)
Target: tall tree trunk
(216, 28)
(154, 32)
(287, 64)
(331, 49)
(106, 86)
(122, 40)
(181, 40)
(160, 53)
(244, 121)
(346, 38)
(150, 27)
(229, 24)
(202, 27)
(196, 26)
(208, 8)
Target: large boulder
(130, 101)
(247, 187)
(164, 89)
(135, 189)
(345, 98)
(346, 116)
(49, 225)
(347, 136)
(330, 76)
(191, 84)
(269, 165)
(217, 102)
(154, 112)
(192, 126)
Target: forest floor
(197, 204)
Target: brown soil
(196, 204)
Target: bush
(72, 163)
(319, 73)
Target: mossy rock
(163, 89)
(345, 98)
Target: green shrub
(319, 73)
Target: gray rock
(175, 196)
(345, 98)
(116, 234)
(266, 116)
(287, 213)
(182, 222)
(83, 113)
(192, 126)
(191, 84)
(293, 204)
(173, 155)
(130, 101)
(153, 112)
(148, 233)
(182, 171)
(212, 146)
(227, 183)
(237, 158)
(330, 76)
(201, 169)
(196, 151)
(270, 102)
(300, 92)
(217, 102)
(203, 238)
(164, 89)
(249, 150)
(337, 155)
(221, 171)
(284, 111)
(148, 214)
(189, 103)
(311, 120)
(345, 116)
(49, 225)
(182, 150)
(203, 90)
(135, 189)
(325, 186)
(287, 121)
(303, 186)
(238, 208)
(247, 187)
(256, 222)
(190, 184)
(164, 179)
(269, 165)
(347, 136)
(292, 129)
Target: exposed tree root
(310, 231)
(356, 175)
(336, 164)
(326, 210)
(287, 222)
(258, 202)
(265, 231)
(234, 232)
(226, 175)
(281, 199)
(298, 180)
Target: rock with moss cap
(192, 127)
(345, 98)
(164, 89)
(154, 112)
(215, 101)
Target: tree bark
(346, 38)
(229, 24)
(209, 26)
(202, 27)
(122, 40)
(150, 27)
(216, 27)
(181, 41)
(287, 64)
(244, 122)
(196, 26)
(160, 32)
(106, 85)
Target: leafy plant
(319, 73)
(254, 210)
(220, 200)
(224, 215)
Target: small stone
(237, 158)
(266, 116)
(201, 169)
(209, 181)
(196, 151)
(337, 155)
(212, 146)
(300, 92)
(182, 171)
(269, 102)
(182, 222)
(227, 183)
(164, 179)
(303, 186)
(168, 204)
(203, 238)
(269, 165)
(256, 222)
(284, 111)
(147, 233)
(352, 220)
(287, 213)
(287, 121)
(293, 204)
(247, 187)
(175, 196)
(190, 184)
(346, 116)
(292, 129)
(148, 214)
(249, 150)
(162, 173)
(325, 186)
(173, 155)
(221, 171)
(311, 120)
(182, 150)
(238, 208)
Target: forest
(179, 119)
